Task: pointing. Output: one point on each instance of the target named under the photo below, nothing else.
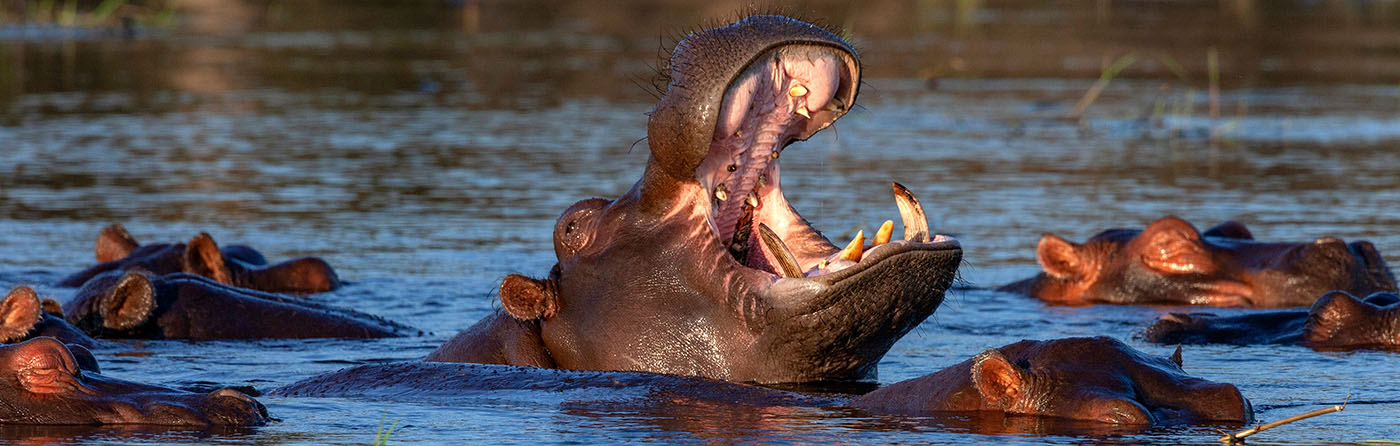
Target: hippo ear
(1230, 229)
(129, 304)
(114, 243)
(1060, 258)
(1176, 356)
(202, 257)
(19, 312)
(1172, 246)
(528, 299)
(999, 381)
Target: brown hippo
(1092, 379)
(1170, 263)
(138, 305)
(45, 385)
(23, 316)
(703, 268)
(1336, 321)
(236, 265)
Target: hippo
(1170, 263)
(47, 385)
(1097, 380)
(236, 265)
(702, 268)
(141, 305)
(23, 316)
(1336, 321)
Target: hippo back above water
(1170, 263)
(1336, 321)
(703, 268)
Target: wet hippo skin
(1092, 379)
(1336, 321)
(1096, 380)
(45, 384)
(136, 305)
(1170, 263)
(703, 268)
(23, 316)
(236, 265)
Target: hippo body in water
(1096, 380)
(1170, 263)
(23, 316)
(703, 268)
(47, 384)
(236, 265)
(1336, 321)
(136, 305)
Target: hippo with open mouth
(703, 268)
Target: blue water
(426, 157)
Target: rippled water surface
(425, 149)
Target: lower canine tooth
(883, 235)
(855, 248)
(787, 263)
(915, 222)
(752, 200)
(721, 195)
(803, 111)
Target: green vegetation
(382, 437)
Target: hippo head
(1340, 320)
(45, 384)
(1094, 379)
(703, 268)
(236, 265)
(23, 316)
(1101, 379)
(1171, 263)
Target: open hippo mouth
(788, 94)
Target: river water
(425, 149)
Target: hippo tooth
(882, 236)
(752, 199)
(855, 248)
(721, 194)
(834, 105)
(787, 262)
(797, 91)
(803, 111)
(915, 222)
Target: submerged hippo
(138, 305)
(703, 268)
(1336, 321)
(23, 316)
(44, 384)
(1092, 379)
(235, 265)
(1170, 263)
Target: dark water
(425, 149)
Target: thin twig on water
(1105, 78)
(1238, 437)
